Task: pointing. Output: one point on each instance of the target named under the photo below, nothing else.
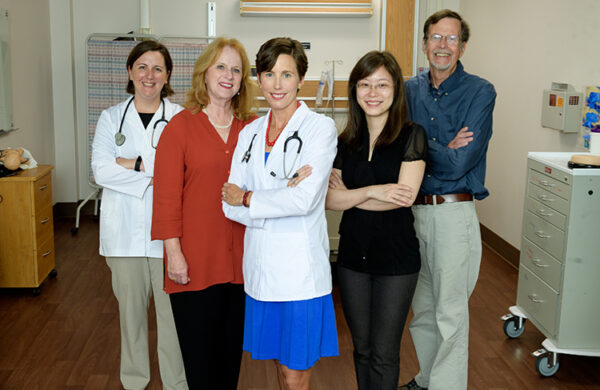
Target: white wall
(31, 79)
(345, 39)
(332, 38)
(65, 136)
(521, 47)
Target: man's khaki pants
(450, 245)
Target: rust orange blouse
(192, 163)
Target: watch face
(119, 139)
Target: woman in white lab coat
(123, 164)
(287, 276)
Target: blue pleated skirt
(296, 333)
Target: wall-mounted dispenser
(561, 108)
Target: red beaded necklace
(271, 144)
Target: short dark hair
(398, 112)
(270, 50)
(446, 13)
(142, 48)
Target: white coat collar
(293, 124)
(132, 116)
(157, 114)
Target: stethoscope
(120, 137)
(286, 174)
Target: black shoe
(412, 385)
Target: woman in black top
(376, 177)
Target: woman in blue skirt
(277, 188)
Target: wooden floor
(68, 337)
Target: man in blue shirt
(456, 110)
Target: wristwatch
(138, 162)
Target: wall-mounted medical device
(212, 18)
(561, 108)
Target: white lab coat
(286, 247)
(126, 208)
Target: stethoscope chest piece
(119, 139)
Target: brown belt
(439, 199)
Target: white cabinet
(559, 268)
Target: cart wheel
(95, 218)
(36, 291)
(74, 230)
(53, 274)
(512, 329)
(542, 366)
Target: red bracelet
(245, 199)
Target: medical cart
(559, 267)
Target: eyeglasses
(450, 39)
(364, 86)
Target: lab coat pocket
(110, 219)
(287, 265)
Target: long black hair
(398, 112)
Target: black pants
(376, 307)
(210, 328)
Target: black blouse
(380, 242)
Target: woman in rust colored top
(203, 249)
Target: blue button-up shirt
(461, 100)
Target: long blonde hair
(197, 96)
